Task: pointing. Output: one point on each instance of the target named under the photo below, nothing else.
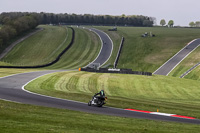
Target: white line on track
(163, 114)
(9, 100)
(17, 74)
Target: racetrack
(106, 49)
(166, 68)
(11, 88)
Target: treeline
(15, 23)
(50, 18)
(89, 19)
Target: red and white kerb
(163, 114)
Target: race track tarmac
(166, 68)
(106, 49)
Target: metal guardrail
(188, 71)
(120, 71)
(119, 52)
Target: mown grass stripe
(61, 83)
(72, 83)
(103, 83)
(93, 87)
(83, 82)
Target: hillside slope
(44, 47)
(40, 48)
(148, 54)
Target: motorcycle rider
(101, 93)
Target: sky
(182, 12)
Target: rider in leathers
(101, 93)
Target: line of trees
(194, 24)
(47, 18)
(90, 19)
(15, 23)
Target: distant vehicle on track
(113, 29)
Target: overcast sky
(181, 11)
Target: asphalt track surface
(106, 49)
(11, 89)
(166, 68)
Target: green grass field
(27, 118)
(194, 74)
(169, 95)
(148, 54)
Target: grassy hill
(84, 50)
(45, 46)
(40, 48)
(148, 54)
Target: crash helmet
(102, 92)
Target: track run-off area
(12, 89)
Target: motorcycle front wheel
(89, 103)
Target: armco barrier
(51, 63)
(120, 71)
(119, 52)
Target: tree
(147, 23)
(1, 42)
(171, 23)
(162, 22)
(197, 23)
(192, 24)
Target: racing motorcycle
(97, 101)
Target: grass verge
(28, 118)
(6, 72)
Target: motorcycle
(97, 101)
